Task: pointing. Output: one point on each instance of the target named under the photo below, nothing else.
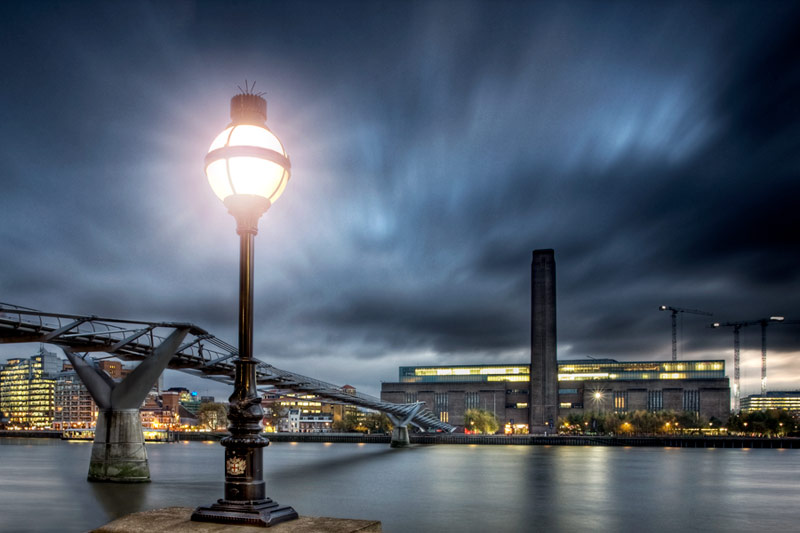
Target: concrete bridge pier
(400, 438)
(118, 452)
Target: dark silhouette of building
(544, 366)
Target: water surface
(43, 486)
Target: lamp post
(248, 169)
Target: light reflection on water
(426, 488)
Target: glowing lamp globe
(246, 164)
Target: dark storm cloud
(446, 323)
(434, 145)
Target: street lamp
(248, 169)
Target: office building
(74, 407)
(27, 389)
(784, 400)
(297, 421)
(307, 405)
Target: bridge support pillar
(118, 452)
(400, 438)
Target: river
(446, 488)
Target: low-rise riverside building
(784, 400)
(297, 421)
(74, 406)
(307, 406)
(595, 385)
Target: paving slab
(176, 520)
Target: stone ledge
(176, 520)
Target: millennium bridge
(118, 451)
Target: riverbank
(666, 441)
(30, 433)
(675, 441)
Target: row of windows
(464, 370)
(440, 401)
(620, 400)
(609, 365)
(472, 400)
(760, 403)
(569, 371)
(440, 406)
(691, 401)
(655, 400)
(595, 376)
(601, 366)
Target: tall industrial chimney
(543, 404)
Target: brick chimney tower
(543, 404)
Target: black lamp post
(248, 169)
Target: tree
(212, 415)
(772, 423)
(273, 415)
(481, 421)
(377, 423)
(347, 424)
(689, 420)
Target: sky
(654, 146)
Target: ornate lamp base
(263, 513)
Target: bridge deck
(202, 354)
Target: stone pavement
(176, 520)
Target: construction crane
(737, 326)
(675, 311)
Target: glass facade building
(786, 400)
(27, 389)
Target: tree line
(771, 423)
(363, 423)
